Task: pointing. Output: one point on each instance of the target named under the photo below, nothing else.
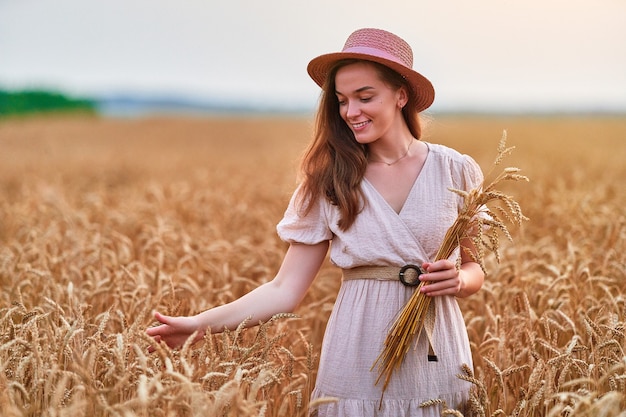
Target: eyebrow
(358, 90)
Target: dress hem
(333, 406)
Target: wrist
(471, 277)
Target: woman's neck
(390, 153)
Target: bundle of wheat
(483, 216)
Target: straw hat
(378, 46)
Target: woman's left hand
(442, 277)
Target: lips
(360, 125)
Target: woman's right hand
(174, 331)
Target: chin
(364, 139)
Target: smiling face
(370, 107)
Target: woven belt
(408, 274)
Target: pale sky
(480, 54)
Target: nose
(353, 108)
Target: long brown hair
(334, 164)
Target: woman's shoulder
(457, 162)
(446, 153)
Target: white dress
(365, 308)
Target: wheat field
(104, 220)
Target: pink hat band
(366, 50)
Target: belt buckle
(402, 275)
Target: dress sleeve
(308, 229)
(472, 178)
(472, 174)
(466, 175)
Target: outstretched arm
(281, 295)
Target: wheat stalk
(481, 220)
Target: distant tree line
(40, 101)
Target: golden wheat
(103, 220)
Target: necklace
(397, 160)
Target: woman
(381, 195)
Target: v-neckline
(408, 196)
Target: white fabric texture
(365, 309)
